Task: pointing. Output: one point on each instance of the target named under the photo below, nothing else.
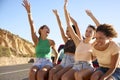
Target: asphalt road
(16, 72)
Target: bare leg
(54, 70)
(69, 75)
(96, 75)
(83, 74)
(33, 73)
(59, 74)
(43, 73)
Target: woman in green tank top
(43, 48)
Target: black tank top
(69, 46)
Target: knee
(41, 75)
(33, 73)
(33, 70)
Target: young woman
(69, 50)
(43, 48)
(83, 58)
(107, 53)
(82, 74)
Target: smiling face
(90, 32)
(101, 38)
(104, 34)
(44, 30)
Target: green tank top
(43, 49)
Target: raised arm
(89, 13)
(26, 4)
(74, 36)
(66, 13)
(60, 26)
(76, 27)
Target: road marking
(13, 71)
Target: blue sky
(13, 16)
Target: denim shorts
(79, 65)
(115, 75)
(68, 60)
(41, 62)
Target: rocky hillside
(12, 45)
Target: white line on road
(13, 71)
